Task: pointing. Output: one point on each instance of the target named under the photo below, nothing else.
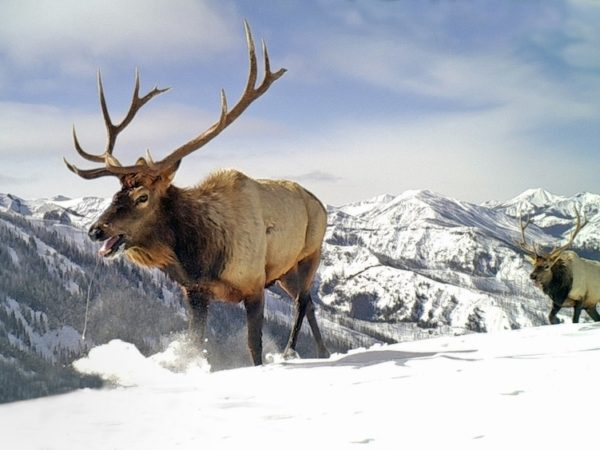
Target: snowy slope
(496, 390)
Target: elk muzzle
(95, 233)
(112, 245)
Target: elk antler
(555, 253)
(112, 130)
(251, 93)
(529, 249)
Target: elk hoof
(290, 353)
(323, 353)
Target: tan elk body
(569, 280)
(586, 280)
(227, 238)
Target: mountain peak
(536, 197)
(364, 206)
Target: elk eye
(141, 199)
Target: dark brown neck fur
(189, 241)
(562, 281)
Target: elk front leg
(198, 308)
(254, 318)
(553, 312)
(577, 311)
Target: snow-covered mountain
(424, 258)
(394, 268)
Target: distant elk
(569, 281)
(227, 238)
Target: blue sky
(475, 99)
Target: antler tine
(530, 250)
(266, 56)
(136, 104)
(89, 156)
(90, 173)
(82, 152)
(224, 108)
(253, 73)
(578, 226)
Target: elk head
(543, 262)
(129, 220)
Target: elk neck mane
(562, 281)
(189, 241)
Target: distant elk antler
(555, 252)
(533, 250)
(530, 250)
(147, 165)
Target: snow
(476, 391)
(14, 257)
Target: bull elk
(569, 281)
(226, 238)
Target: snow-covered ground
(531, 386)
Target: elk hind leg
(593, 313)
(255, 307)
(297, 284)
(322, 351)
(307, 269)
(290, 283)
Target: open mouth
(112, 246)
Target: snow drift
(513, 388)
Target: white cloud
(474, 156)
(318, 176)
(72, 33)
(470, 80)
(30, 128)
